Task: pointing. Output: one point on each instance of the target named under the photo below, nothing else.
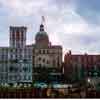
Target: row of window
(3, 77)
(4, 57)
(46, 51)
(24, 77)
(19, 33)
(85, 59)
(15, 69)
(43, 60)
(15, 61)
(18, 52)
(3, 69)
(40, 65)
(47, 62)
(21, 50)
(4, 51)
(21, 56)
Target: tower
(18, 37)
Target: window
(39, 65)
(47, 62)
(16, 56)
(11, 69)
(29, 69)
(25, 69)
(22, 35)
(29, 77)
(58, 61)
(54, 62)
(47, 51)
(39, 58)
(39, 51)
(12, 78)
(33, 51)
(43, 51)
(43, 60)
(25, 77)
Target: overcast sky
(74, 24)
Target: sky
(74, 24)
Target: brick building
(84, 63)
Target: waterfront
(42, 90)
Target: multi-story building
(20, 60)
(17, 37)
(88, 65)
(21, 63)
(46, 55)
(4, 63)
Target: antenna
(43, 20)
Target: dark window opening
(43, 60)
(39, 58)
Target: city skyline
(76, 28)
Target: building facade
(88, 65)
(46, 55)
(23, 64)
(4, 63)
(16, 60)
(17, 37)
(19, 62)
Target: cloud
(24, 7)
(71, 23)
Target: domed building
(46, 55)
(42, 37)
